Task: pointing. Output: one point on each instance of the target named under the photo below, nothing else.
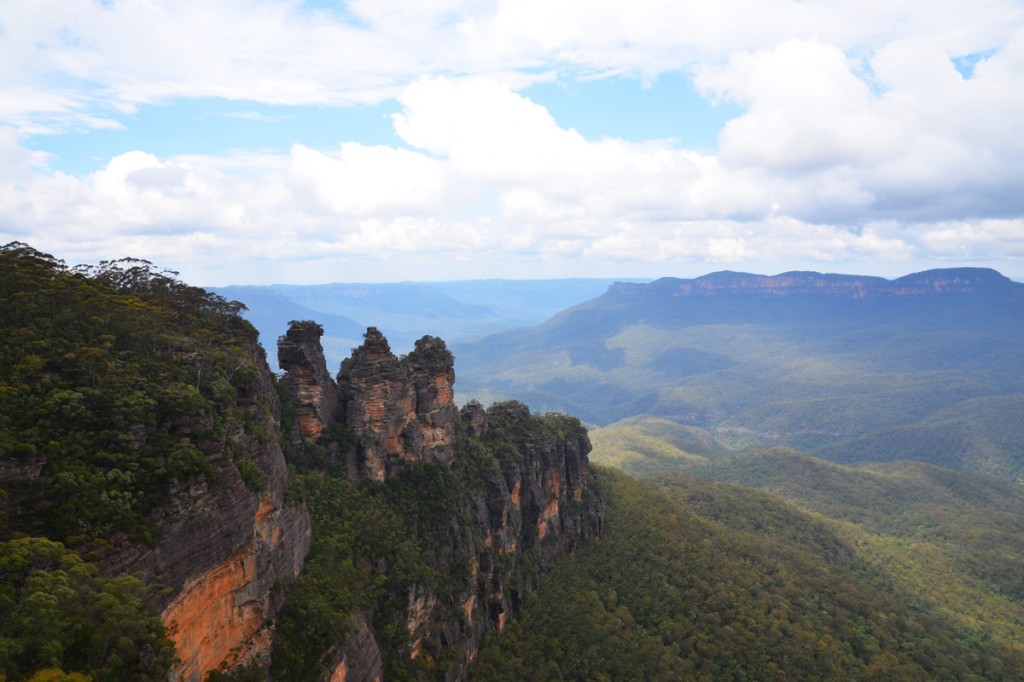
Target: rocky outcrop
(360, 658)
(313, 392)
(398, 410)
(524, 504)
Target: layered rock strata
(225, 549)
(398, 410)
(533, 506)
(306, 378)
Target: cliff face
(524, 501)
(142, 428)
(951, 281)
(398, 410)
(226, 545)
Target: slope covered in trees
(948, 543)
(708, 581)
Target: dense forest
(100, 368)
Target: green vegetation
(114, 381)
(947, 544)
(363, 558)
(376, 544)
(708, 581)
(650, 445)
(57, 613)
(939, 379)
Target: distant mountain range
(405, 311)
(927, 366)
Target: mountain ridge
(938, 281)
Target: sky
(282, 141)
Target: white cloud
(365, 181)
(858, 139)
(17, 163)
(73, 56)
(806, 110)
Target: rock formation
(152, 439)
(533, 503)
(399, 410)
(306, 378)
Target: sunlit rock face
(398, 410)
(226, 547)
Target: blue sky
(259, 141)
(667, 108)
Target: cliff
(301, 529)
(226, 544)
(950, 281)
(398, 410)
(140, 429)
(489, 498)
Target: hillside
(950, 541)
(170, 509)
(846, 367)
(708, 581)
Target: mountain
(405, 311)
(169, 509)
(842, 366)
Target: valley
(799, 477)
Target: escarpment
(140, 429)
(490, 498)
(228, 541)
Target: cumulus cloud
(858, 140)
(366, 181)
(909, 137)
